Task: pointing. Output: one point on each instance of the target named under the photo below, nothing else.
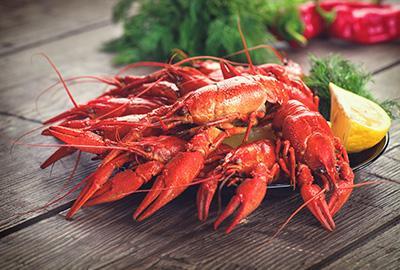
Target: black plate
(358, 160)
(366, 157)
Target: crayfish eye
(182, 111)
(337, 167)
(148, 148)
(321, 170)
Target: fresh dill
(199, 27)
(347, 75)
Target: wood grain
(382, 252)
(24, 186)
(26, 24)
(22, 81)
(386, 85)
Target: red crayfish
(170, 127)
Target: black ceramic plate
(359, 160)
(366, 157)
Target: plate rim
(364, 164)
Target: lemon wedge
(359, 122)
(257, 133)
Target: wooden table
(71, 33)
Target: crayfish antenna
(208, 57)
(278, 54)
(142, 64)
(54, 200)
(61, 79)
(245, 45)
(280, 229)
(89, 79)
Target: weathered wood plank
(22, 81)
(371, 57)
(382, 252)
(25, 24)
(106, 237)
(24, 186)
(386, 85)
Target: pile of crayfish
(170, 127)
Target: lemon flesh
(258, 133)
(359, 122)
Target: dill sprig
(199, 27)
(347, 75)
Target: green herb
(199, 27)
(347, 75)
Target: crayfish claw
(91, 142)
(175, 178)
(343, 189)
(340, 196)
(125, 183)
(96, 181)
(316, 203)
(116, 188)
(231, 207)
(249, 196)
(205, 195)
(57, 155)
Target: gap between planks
(87, 28)
(384, 68)
(35, 219)
(355, 244)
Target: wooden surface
(71, 33)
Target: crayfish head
(334, 171)
(321, 158)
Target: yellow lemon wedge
(359, 122)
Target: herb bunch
(197, 27)
(347, 75)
